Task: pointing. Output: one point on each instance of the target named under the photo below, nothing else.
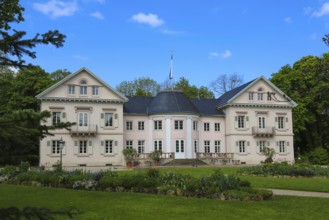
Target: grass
(302, 183)
(106, 205)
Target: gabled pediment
(258, 92)
(82, 85)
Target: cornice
(255, 105)
(57, 99)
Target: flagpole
(171, 71)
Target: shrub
(248, 194)
(319, 156)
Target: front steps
(185, 162)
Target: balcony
(263, 132)
(89, 130)
(201, 155)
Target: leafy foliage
(12, 41)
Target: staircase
(185, 162)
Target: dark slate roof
(171, 102)
(137, 105)
(230, 94)
(207, 106)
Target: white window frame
(109, 147)
(206, 126)
(180, 146)
(206, 145)
(141, 146)
(56, 117)
(129, 125)
(262, 122)
(158, 125)
(260, 96)
(242, 147)
(195, 125)
(108, 119)
(241, 121)
(141, 125)
(71, 89)
(55, 147)
(83, 147)
(95, 90)
(179, 125)
(196, 146)
(281, 122)
(129, 144)
(282, 147)
(158, 145)
(251, 95)
(261, 145)
(217, 126)
(217, 146)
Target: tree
(14, 43)
(192, 91)
(142, 86)
(58, 75)
(225, 83)
(304, 83)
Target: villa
(233, 128)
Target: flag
(171, 73)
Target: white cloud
(57, 8)
(324, 10)
(288, 20)
(226, 54)
(98, 15)
(216, 55)
(150, 19)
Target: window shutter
(102, 115)
(237, 150)
(268, 144)
(287, 119)
(247, 121)
(102, 143)
(90, 150)
(276, 119)
(63, 114)
(76, 150)
(116, 120)
(90, 143)
(48, 148)
(75, 143)
(102, 121)
(236, 122)
(102, 149)
(64, 150)
(116, 148)
(287, 143)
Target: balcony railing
(143, 156)
(89, 130)
(261, 132)
(202, 155)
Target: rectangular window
(217, 126)
(260, 96)
(178, 125)
(71, 89)
(251, 95)
(207, 146)
(83, 119)
(83, 90)
(180, 148)
(261, 145)
(157, 125)
(217, 146)
(241, 123)
(195, 125)
(206, 126)
(141, 126)
(108, 119)
(261, 122)
(141, 145)
(129, 125)
(56, 148)
(109, 147)
(280, 122)
(157, 145)
(129, 144)
(196, 146)
(282, 147)
(95, 90)
(242, 146)
(269, 97)
(56, 118)
(83, 147)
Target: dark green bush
(319, 156)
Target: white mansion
(236, 126)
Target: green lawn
(304, 184)
(106, 205)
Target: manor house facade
(233, 128)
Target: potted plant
(156, 156)
(269, 153)
(129, 154)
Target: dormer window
(71, 89)
(83, 87)
(251, 95)
(95, 90)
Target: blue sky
(125, 39)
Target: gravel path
(299, 193)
